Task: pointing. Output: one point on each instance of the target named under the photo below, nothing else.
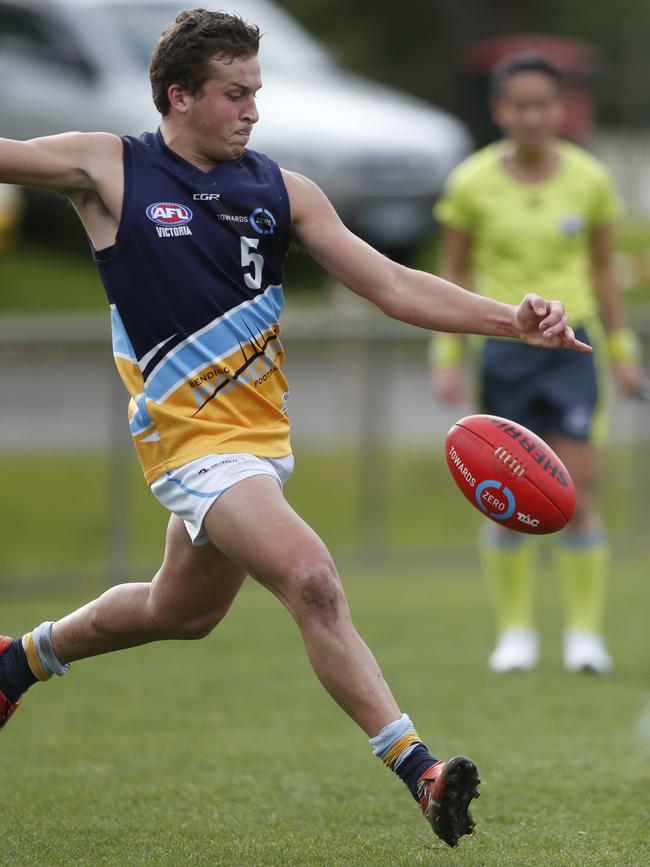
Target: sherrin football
(510, 474)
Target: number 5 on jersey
(249, 257)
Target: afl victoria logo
(169, 214)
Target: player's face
(528, 111)
(221, 115)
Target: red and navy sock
(15, 674)
(413, 766)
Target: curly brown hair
(183, 53)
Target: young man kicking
(189, 230)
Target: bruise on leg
(322, 594)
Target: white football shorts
(190, 490)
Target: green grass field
(228, 752)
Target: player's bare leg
(582, 460)
(583, 561)
(254, 530)
(255, 526)
(191, 592)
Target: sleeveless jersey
(194, 281)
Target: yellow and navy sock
(400, 749)
(508, 563)
(583, 563)
(28, 660)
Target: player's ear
(178, 98)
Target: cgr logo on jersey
(170, 219)
(262, 221)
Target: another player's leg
(510, 375)
(582, 556)
(508, 562)
(189, 595)
(255, 526)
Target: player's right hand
(545, 323)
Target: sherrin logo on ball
(169, 214)
(510, 474)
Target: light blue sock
(391, 733)
(42, 636)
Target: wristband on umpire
(624, 346)
(445, 351)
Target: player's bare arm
(624, 347)
(448, 375)
(604, 279)
(456, 256)
(85, 167)
(413, 296)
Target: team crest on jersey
(169, 214)
(262, 221)
(571, 225)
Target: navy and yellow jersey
(531, 237)
(194, 281)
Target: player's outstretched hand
(545, 323)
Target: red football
(510, 474)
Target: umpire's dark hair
(525, 61)
(183, 53)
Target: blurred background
(375, 104)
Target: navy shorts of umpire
(546, 390)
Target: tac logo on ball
(169, 214)
(501, 510)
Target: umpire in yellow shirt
(536, 211)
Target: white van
(381, 156)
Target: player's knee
(317, 592)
